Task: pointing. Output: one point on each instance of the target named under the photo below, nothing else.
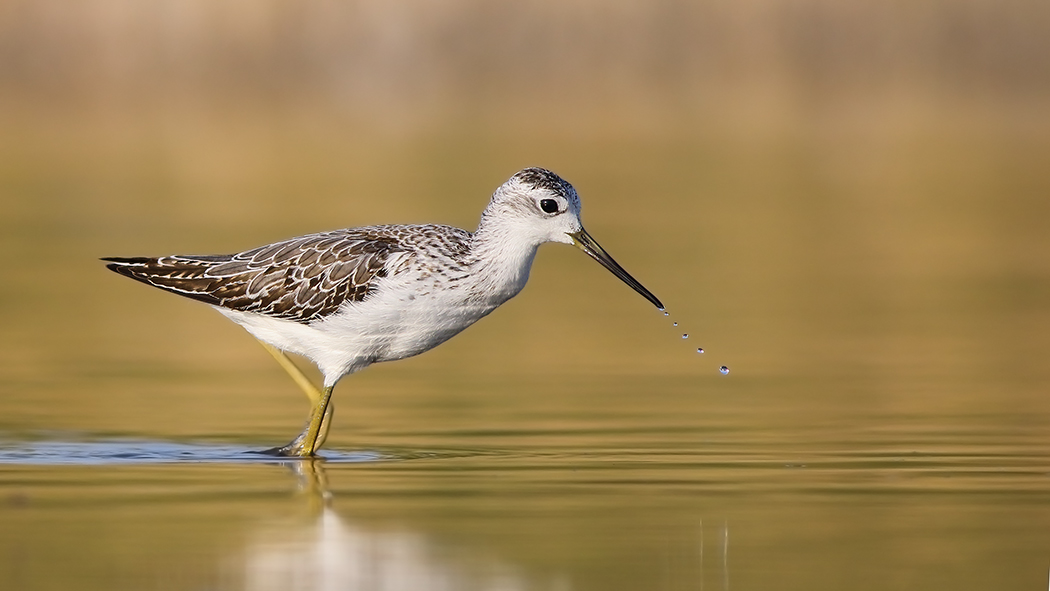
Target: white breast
(409, 314)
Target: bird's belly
(394, 324)
(388, 327)
(409, 331)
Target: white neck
(502, 257)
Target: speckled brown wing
(301, 279)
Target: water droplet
(724, 370)
(685, 335)
(667, 313)
(675, 324)
(699, 350)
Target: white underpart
(413, 311)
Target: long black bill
(584, 242)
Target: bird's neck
(502, 256)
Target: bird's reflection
(325, 551)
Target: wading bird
(349, 298)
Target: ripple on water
(156, 452)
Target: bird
(345, 299)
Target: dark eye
(549, 205)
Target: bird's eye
(549, 205)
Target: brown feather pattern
(302, 279)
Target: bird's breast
(419, 308)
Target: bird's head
(539, 206)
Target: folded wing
(302, 279)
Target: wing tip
(123, 265)
(126, 260)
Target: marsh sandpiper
(346, 299)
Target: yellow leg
(314, 436)
(293, 370)
(316, 431)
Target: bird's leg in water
(319, 397)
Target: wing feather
(302, 279)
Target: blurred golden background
(845, 188)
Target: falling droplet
(699, 350)
(667, 313)
(675, 324)
(685, 335)
(724, 370)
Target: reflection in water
(324, 551)
(723, 557)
